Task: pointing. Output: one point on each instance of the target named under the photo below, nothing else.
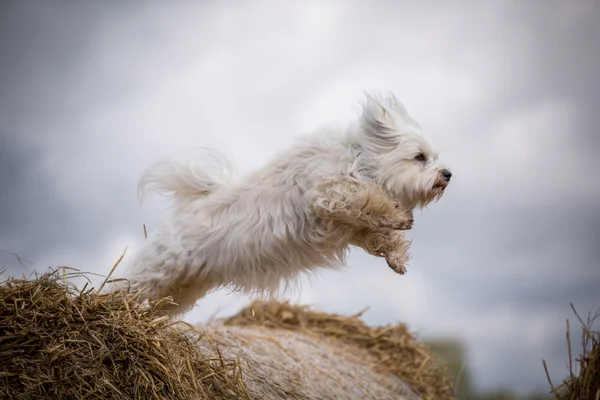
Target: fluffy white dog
(301, 211)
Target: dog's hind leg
(185, 298)
(359, 204)
(183, 291)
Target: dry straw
(585, 385)
(59, 342)
(284, 365)
(394, 348)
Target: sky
(92, 93)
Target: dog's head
(396, 155)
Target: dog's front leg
(359, 204)
(391, 244)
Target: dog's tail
(195, 175)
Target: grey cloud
(31, 214)
(40, 43)
(564, 60)
(35, 219)
(546, 240)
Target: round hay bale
(58, 341)
(390, 350)
(280, 364)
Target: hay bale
(280, 365)
(390, 350)
(57, 341)
(60, 342)
(585, 384)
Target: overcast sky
(91, 93)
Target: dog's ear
(377, 112)
(379, 120)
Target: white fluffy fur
(301, 211)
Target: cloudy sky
(91, 93)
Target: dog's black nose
(446, 174)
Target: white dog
(301, 211)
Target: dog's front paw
(403, 219)
(383, 221)
(397, 261)
(399, 220)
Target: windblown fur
(303, 210)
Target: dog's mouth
(440, 185)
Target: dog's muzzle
(443, 179)
(446, 174)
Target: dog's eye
(420, 157)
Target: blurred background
(92, 92)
